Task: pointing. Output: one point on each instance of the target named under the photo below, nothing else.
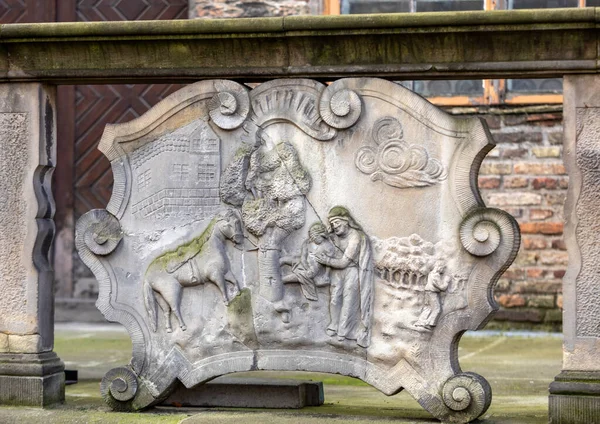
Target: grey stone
(31, 379)
(571, 401)
(250, 393)
(574, 397)
(298, 227)
(27, 159)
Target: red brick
(540, 214)
(555, 137)
(533, 243)
(553, 257)
(514, 274)
(515, 182)
(541, 301)
(559, 244)
(540, 168)
(543, 286)
(563, 183)
(542, 227)
(514, 199)
(511, 300)
(545, 119)
(548, 183)
(527, 258)
(559, 273)
(503, 285)
(493, 121)
(518, 137)
(513, 153)
(496, 168)
(535, 272)
(520, 314)
(489, 182)
(510, 120)
(555, 198)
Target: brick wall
(525, 176)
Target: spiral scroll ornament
(468, 393)
(230, 106)
(340, 109)
(387, 129)
(481, 232)
(101, 231)
(118, 387)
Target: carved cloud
(396, 162)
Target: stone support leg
(30, 372)
(575, 393)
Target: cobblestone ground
(519, 367)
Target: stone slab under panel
(298, 226)
(250, 393)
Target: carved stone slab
(298, 226)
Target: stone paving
(519, 366)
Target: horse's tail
(150, 302)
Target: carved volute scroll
(298, 226)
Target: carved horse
(202, 260)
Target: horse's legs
(171, 291)
(231, 278)
(166, 311)
(218, 279)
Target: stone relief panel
(394, 161)
(243, 234)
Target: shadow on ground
(519, 369)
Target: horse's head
(230, 226)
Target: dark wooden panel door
(27, 11)
(97, 105)
(83, 178)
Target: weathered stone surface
(27, 159)
(32, 379)
(250, 393)
(297, 226)
(3, 343)
(412, 46)
(577, 402)
(29, 343)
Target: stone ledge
(456, 45)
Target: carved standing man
(351, 301)
(437, 282)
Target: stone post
(575, 393)
(30, 372)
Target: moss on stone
(183, 252)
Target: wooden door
(83, 179)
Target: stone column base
(31, 379)
(575, 397)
